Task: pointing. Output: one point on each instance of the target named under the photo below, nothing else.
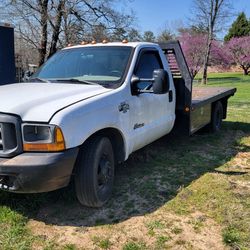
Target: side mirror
(161, 81)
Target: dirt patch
(181, 232)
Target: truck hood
(39, 101)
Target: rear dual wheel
(216, 118)
(94, 175)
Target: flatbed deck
(204, 95)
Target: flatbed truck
(90, 106)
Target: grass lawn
(177, 193)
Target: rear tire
(217, 116)
(95, 172)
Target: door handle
(170, 95)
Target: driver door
(149, 112)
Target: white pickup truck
(89, 107)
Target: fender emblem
(138, 125)
(123, 107)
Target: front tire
(94, 175)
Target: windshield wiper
(74, 81)
(38, 79)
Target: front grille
(10, 136)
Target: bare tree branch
(210, 15)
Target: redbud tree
(238, 49)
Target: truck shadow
(146, 181)
(223, 79)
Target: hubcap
(104, 172)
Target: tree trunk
(56, 28)
(245, 70)
(215, 5)
(206, 60)
(43, 6)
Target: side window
(148, 62)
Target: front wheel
(94, 175)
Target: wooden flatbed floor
(204, 95)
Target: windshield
(103, 65)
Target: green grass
(14, 234)
(238, 110)
(175, 176)
(134, 246)
(161, 241)
(103, 243)
(213, 193)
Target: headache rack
(183, 84)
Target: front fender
(78, 122)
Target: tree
(119, 34)
(47, 24)
(193, 46)
(56, 26)
(165, 35)
(148, 36)
(240, 27)
(192, 30)
(211, 15)
(134, 35)
(219, 55)
(239, 52)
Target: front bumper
(37, 172)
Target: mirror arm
(141, 91)
(147, 79)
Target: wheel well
(116, 140)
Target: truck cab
(89, 107)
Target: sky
(155, 15)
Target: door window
(148, 62)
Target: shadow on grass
(224, 79)
(220, 79)
(147, 180)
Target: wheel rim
(104, 172)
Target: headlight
(39, 137)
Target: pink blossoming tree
(193, 46)
(219, 55)
(238, 49)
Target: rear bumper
(37, 172)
